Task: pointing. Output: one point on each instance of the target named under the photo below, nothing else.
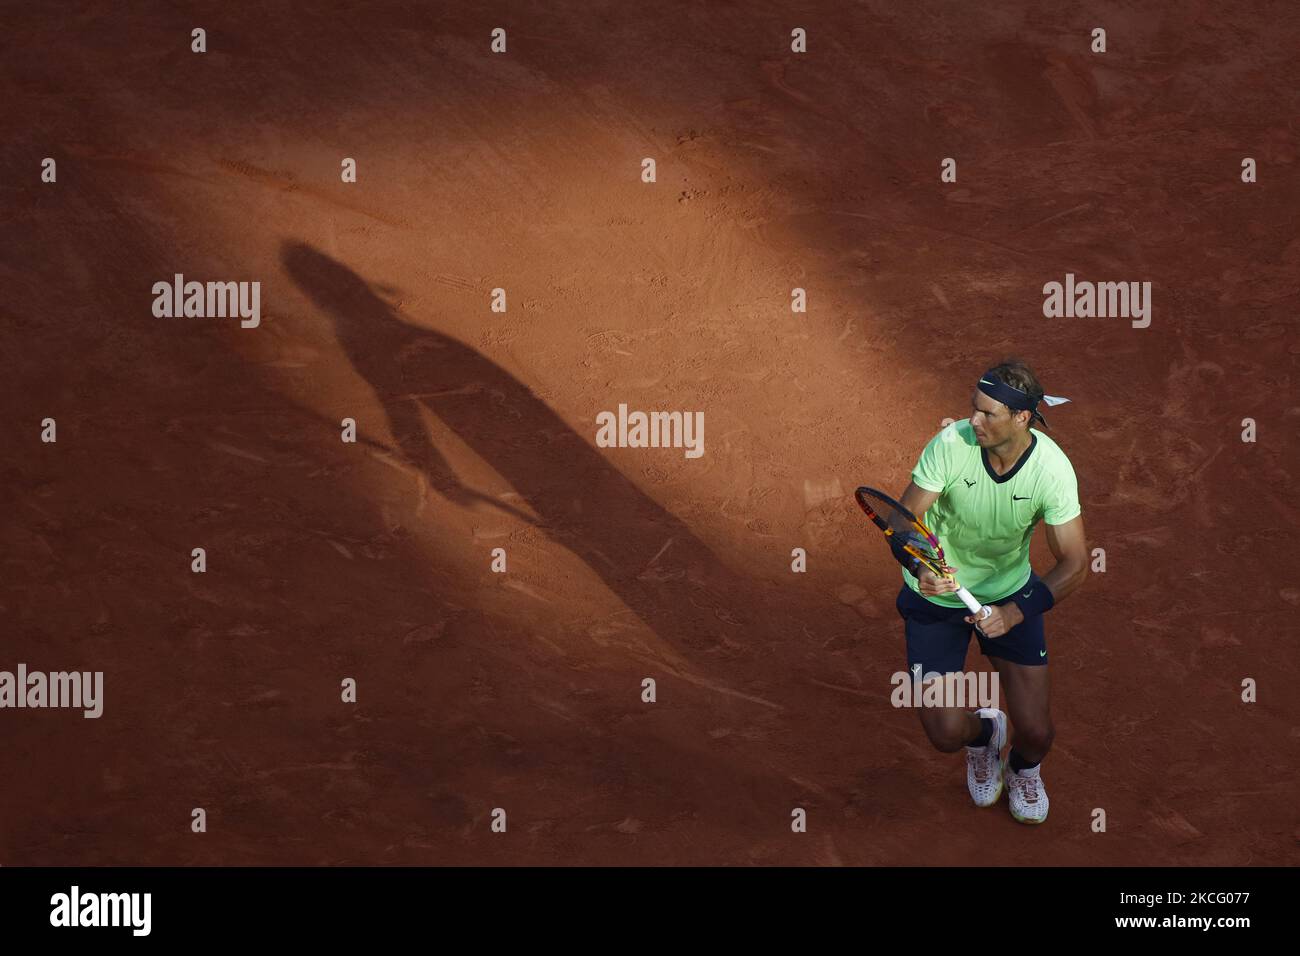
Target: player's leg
(982, 734)
(1020, 657)
(937, 640)
(1026, 692)
(949, 729)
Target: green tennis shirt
(985, 520)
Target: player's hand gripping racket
(917, 540)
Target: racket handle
(973, 605)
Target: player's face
(990, 419)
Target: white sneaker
(984, 764)
(1026, 795)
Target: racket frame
(983, 610)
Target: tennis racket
(917, 540)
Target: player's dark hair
(1018, 374)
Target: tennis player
(982, 485)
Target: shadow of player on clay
(683, 592)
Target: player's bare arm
(1069, 547)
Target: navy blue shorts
(937, 637)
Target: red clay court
(522, 171)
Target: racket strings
(918, 542)
(904, 528)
